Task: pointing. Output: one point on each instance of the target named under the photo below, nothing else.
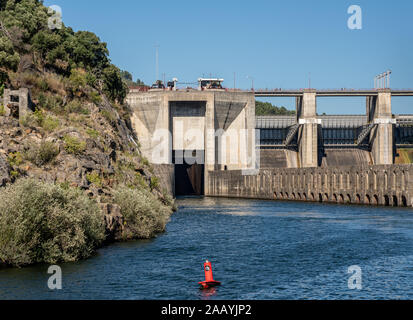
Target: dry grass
(55, 83)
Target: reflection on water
(280, 250)
(207, 294)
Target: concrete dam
(209, 142)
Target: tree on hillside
(24, 32)
(114, 87)
(127, 77)
(267, 109)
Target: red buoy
(209, 279)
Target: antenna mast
(157, 62)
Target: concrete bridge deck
(331, 92)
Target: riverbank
(48, 223)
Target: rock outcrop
(4, 171)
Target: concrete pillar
(381, 138)
(210, 147)
(252, 136)
(24, 102)
(6, 101)
(308, 134)
(164, 121)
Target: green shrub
(2, 111)
(154, 182)
(140, 181)
(50, 123)
(95, 97)
(42, 222)
(91, 79)
(14, 174)
(42, 154)
(38, 116)
(50, 102)
(15, 159)
(28, 120)
(144, 214)
(95, 178)
(42, 100)
(92, 133)
(43, 85)
(73, 145)
(78, 80)
(144, 161)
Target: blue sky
(278, 43)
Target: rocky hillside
(94, 150)
(78, 134)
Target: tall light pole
(388, 77)
(382, 80)
(157, 62)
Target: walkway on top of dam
(330, 92)
(279, 92)
(327, 121)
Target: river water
(258, 250)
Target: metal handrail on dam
(281, 92)
(329, 92)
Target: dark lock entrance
(189, 173)
(189, 164)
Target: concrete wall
(374, 185)
(166, 175)
(346, 157)
(226, 111)
(149, 115)
(227, 124)
(284, 158)
(278, 158)
(235, 114)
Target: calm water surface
(259, 250)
